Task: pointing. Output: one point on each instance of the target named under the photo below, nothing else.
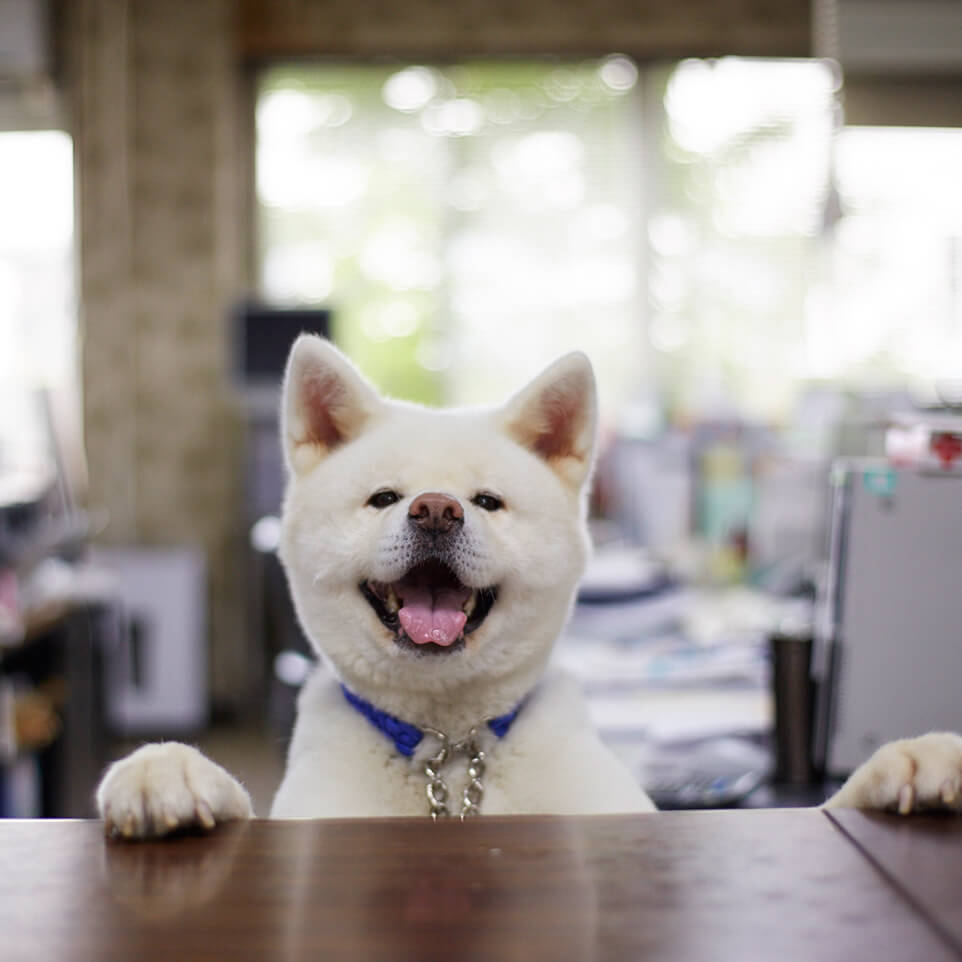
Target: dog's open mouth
(430, 607)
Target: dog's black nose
(435, 513)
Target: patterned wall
(156, 93)
(151, 88)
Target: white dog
(433, 557)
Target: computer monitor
(262, 339)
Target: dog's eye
(487, 501)
(383, 499)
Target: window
(888, 306)
(467, 223)
(706, 230)
(741, 176)
(37, 315)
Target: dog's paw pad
(164, 788)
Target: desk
(765, 885)
(62, 655)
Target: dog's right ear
(326, 402)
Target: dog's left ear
(326, 402)
(556, 417)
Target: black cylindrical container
(794, 694)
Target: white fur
(342, 444)
(159, 788)
(534, 550)
(908, 775)
(551, 762)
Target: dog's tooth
(391, 602)
(470, 603)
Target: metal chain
(474, 790)
(437, 789)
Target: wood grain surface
(919, 857)
(766, 885)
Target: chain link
(437, 789)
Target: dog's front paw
(162, 788)
(908, 775)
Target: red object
(947, 448)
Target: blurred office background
(747, 213)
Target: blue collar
(407, 737)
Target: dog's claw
(948, 792)
(204, 815)
(906, 799)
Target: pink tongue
(438, 621)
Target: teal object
(880, 481)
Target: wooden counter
(742, 885)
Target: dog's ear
(555, 416)
(326, 402)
